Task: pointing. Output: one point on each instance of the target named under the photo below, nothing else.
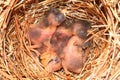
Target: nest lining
(103, 63)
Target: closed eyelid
(82, 32)
(54, 59)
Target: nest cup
(16, 60)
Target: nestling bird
(40, 34)
(58, 42)
(60, 38)
(73, 56)
(54, 64)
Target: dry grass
(16, 61)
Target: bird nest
(16, 60)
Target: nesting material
(16, 59)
